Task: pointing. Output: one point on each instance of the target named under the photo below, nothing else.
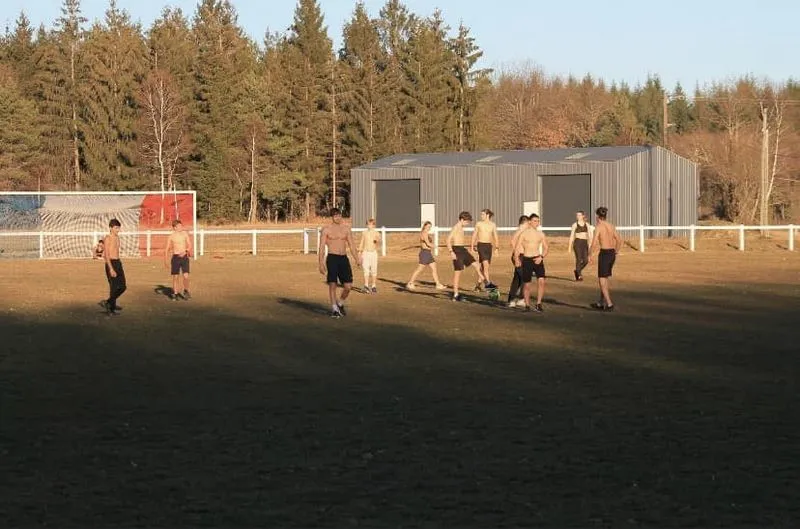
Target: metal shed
(641, 185)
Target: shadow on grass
(208, 417)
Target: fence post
(436, 241)
(791, 237)
(202, 242)
(741, 237)
(383, 241)
(641, 239)
(305, 241)
(691, 237)
(149, 236)
(41, 245)
(255, 243)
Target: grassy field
(247, 406)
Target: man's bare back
(336, 237)
(607, 237)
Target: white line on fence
(202, 234)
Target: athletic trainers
(512, 304)
(335, 314)
(341, 309)
(490, 285)
(521, 303)
(457, 297)
(598, 306)
(538, 307)
(440, 286)
(374, 290)
(186, 295)
(366, 289)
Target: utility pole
(764, 199)
(665, 120)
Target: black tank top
(582, 229)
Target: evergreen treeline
(269, 130)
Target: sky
(688, 41)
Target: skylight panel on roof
(577, 155)
(489, 158)
(404, 161)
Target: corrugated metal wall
(624, 187)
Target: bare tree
(165, 122)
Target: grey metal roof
(591, 154)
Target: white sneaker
(441, 287)
(512, 304)
(521, 303)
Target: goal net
(64, 225)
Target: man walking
(338, 238)
(606, 245)
(485, 235)
(115, 274)
(531, 250)
(459, 253)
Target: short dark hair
(602, 212)
(581, 212)
(533, 216)
(465, 215)
(489, 212)
(176, 222)
(523, 218)
(335, 211)
(114, 222)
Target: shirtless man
(338, 238)
(529, 255)
(115, 274)
(485, 235)
(459, 253)
(515, 292)
(607, 244)
(176, 257)
(368, 256)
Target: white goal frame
(148, 233)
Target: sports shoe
(598, 306)
(335, 314)
(186, 295)
(479, 287)
(366, 290)
(512, 304)
(341, 309)
(490, 286)
(440, 286)
(521, 303)
(411, 286)
(457, 297)
(374, 290)
(538, 307)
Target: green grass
(248, 407)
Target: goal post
(68, 225)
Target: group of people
(177, 256)
(529, 248)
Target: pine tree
(395, 24)
(225, 57)
(466, 54)
(69, 41)
(309, 53)
(18, 52)
(115, 65)
(648, 105)
(680, 111)
(171, 48)
(20, 147)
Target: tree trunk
(251, 216)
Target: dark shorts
(180, 264)
(530, 268)
(463, 258)
(426, 257)
(339, 270)
(485, 252)
(605, 262)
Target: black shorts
(485, 252)
(530, 268)
(339, 270)
(116, 264)
(180, 263)
(605, 262)
(426, 257)
(463, 258)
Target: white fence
(305, 237)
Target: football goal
(68, 225)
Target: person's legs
(539, 290)
(186, 283)
(477, 268)
(581, 249)
(516, 285)
(435, 274)
(416, 274)
(332, 295)
(456, 281)
(345, 292)
(118, 287)
(605, 291)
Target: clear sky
(691, 41)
